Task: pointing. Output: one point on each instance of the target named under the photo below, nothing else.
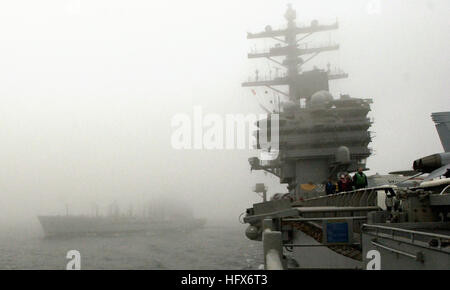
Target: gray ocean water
(212, 247)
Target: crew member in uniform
(359, 179)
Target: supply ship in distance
(158, 220)
(400, 221)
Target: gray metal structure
(157, 216)
(442, 121)
(385, 226)
(108, 225)
(326, 135)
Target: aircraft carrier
(399, 221)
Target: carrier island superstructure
(321, 137)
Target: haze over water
(89, 88)
(213, 247)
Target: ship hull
(315, 256)
(84, 225)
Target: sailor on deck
(360, 179)
(330, 187)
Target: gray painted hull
(79, 225)
(319, 257)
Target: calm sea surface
(212, 247)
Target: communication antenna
(261, 188)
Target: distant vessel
(113, 223)
(80, 225)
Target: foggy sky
(88, 90)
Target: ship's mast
(291, 53)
